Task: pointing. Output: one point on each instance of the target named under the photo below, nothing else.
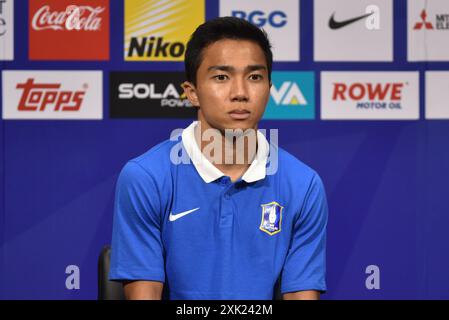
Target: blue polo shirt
(188, 225)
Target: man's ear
(190, 92)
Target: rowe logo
(370, 95)
(368, 91)
(39, 96)
(72, 18)
(52, 95)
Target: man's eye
(256, 77)
(221, 77)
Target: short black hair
(223, 28)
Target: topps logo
(40, 96)
(155, 47)
(375, 94)
(169, 97)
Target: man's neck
(236, 156)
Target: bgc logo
(370, 95)
(279, 19)
(159, 30)
(292, 96)
(52, 95)
(275, 19)
(66, 30)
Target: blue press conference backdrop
(386, 181)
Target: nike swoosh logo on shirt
(173, 217)
(340, 24)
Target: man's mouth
(239, 114)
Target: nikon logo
(158, 30)
(155, 47)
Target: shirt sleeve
(305, 265)
(136, 249)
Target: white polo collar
(209, 173)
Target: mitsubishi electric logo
(441, 22)
(424, 22)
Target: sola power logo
(149, 94)
(72, 18)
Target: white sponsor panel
(6, 30)
(437, 95)
(370, 95)
(353, 30)
(52, 94)
(280, 19)
(428, 30)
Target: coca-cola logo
(77, 18)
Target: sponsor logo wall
(6, 29)
(157, 31)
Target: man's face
(232, 85)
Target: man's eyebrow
(253, 67)
(256, 67)
(221, 68)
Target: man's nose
(239, 90)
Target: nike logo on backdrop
(173, 217)
(334, 25)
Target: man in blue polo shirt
(209, 229)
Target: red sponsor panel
(69, 29)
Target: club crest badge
(271, 218)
